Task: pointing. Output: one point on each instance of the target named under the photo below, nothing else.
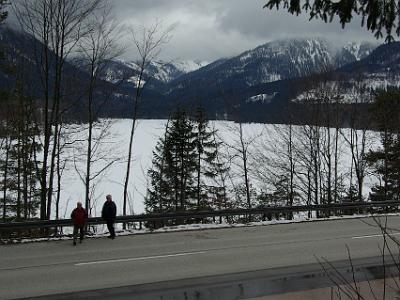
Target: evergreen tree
(282, 191)
(159, 198)
(209, 166)
(380, 17)
(182, 161)
(187, 172)
(23, 166)
(386, 159)
(283, 195)
(18, 169)
(19, 143)
(351, 195)
(5, 138)
(174, 163)
(219, 169)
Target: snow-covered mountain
(255, 84)
(374, 69)
(276, 60)
(272, 61)
(378, 70)
(161, 71)
(354, 51)
(282, 59)
(169, 71)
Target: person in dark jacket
(108, 213)
(79, 217)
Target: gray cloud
(210, 29)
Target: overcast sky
(206, 30)
(210, 29)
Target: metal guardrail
(327, 209)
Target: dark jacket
(109, 211)
(79, 216)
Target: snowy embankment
(101, 230)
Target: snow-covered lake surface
(116, 143)
(261, 139)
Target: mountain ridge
(256, 83)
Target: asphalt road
(36, 269)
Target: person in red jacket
(79, 217)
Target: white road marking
(371, 236)
(138, 258)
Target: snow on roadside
(188, 227)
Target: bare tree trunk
(309, 192)
(336, 152)
(198, 180)
(222, 176)
(59, 175)
(89, 144)
(19, 168)
(329, 166)
(98, 48)
(5, 177)
(245, 166)
(44, 60)
(148, 45)
(26, 158)
(292, 170)
(130, 148)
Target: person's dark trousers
(110, 227)
(81, 233)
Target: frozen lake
(260, 138)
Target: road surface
(47, 268)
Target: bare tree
(102, 156)
(97, 49)
(358, 139)
(275, 163)
(240, 152)
(60, 169)
(222, 170)
(148, 43)
(388, 287)
(58, 25)
(320, 148)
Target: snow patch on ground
(101, 231)
(263, 98)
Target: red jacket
(79, 216)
